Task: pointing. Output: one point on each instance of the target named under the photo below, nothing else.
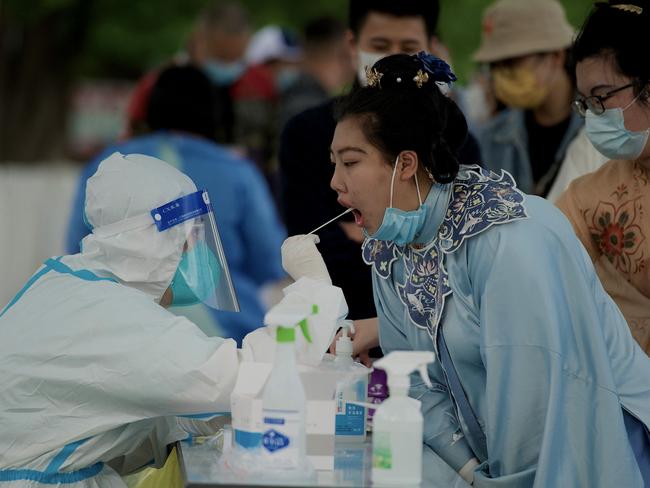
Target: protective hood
(122, 242)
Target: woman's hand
(364, 338)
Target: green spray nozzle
(288, 334)
(305, 330)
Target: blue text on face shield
(197, 276)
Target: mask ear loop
(392, 183)
(633, 100)
(417, 187)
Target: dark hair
(322, 32)
(182, 99)
(616, 28)
(427, 9)
(397, 116)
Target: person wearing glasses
(610, 208)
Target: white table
(352, 467)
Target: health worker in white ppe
(97, 377)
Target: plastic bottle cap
(286, 334)
(344, 346)
(344, 343)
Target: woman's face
(598, 75)
(361, 174)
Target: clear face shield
(202, 274)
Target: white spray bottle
(284, 403)
(397, 423)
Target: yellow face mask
(518, 87)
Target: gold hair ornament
(635, 9)
(373, 77)
(421, 78)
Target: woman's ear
(407, 165)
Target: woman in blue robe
(538, 381)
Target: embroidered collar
(479, 199)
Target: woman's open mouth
(358, 218)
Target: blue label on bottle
(273, 420)
(272, 440)
(247, 439)
(352, 422)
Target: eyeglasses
(595, 103)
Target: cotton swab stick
(330, 221)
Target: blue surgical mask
(609, 136)
(196, 276)
(400, 226)
(223, 74)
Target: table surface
(201, 468)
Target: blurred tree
(39, 42)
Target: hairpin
(635, 9)
(420, 78)
(373, 77)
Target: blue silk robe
(545, 357)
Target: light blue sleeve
(441, 431)
(263, 233)
(553, 417)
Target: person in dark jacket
(377, 28)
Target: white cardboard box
(320, 389)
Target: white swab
(330, 221)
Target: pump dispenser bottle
(352, 392)
(397, 423)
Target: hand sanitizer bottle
(284, 405)
(352, 392)
(397, 423)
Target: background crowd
(239, 95)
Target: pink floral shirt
(610, 212)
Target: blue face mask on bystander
(223, 74)
(608, 134)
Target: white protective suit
(96, 376)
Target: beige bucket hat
(513, 28)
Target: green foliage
(127, 37)
(131, 36)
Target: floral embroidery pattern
(425, 290)
(381, 254)
(479, 200)
(621, 191)
(615, 231)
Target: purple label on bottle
(377, 389)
